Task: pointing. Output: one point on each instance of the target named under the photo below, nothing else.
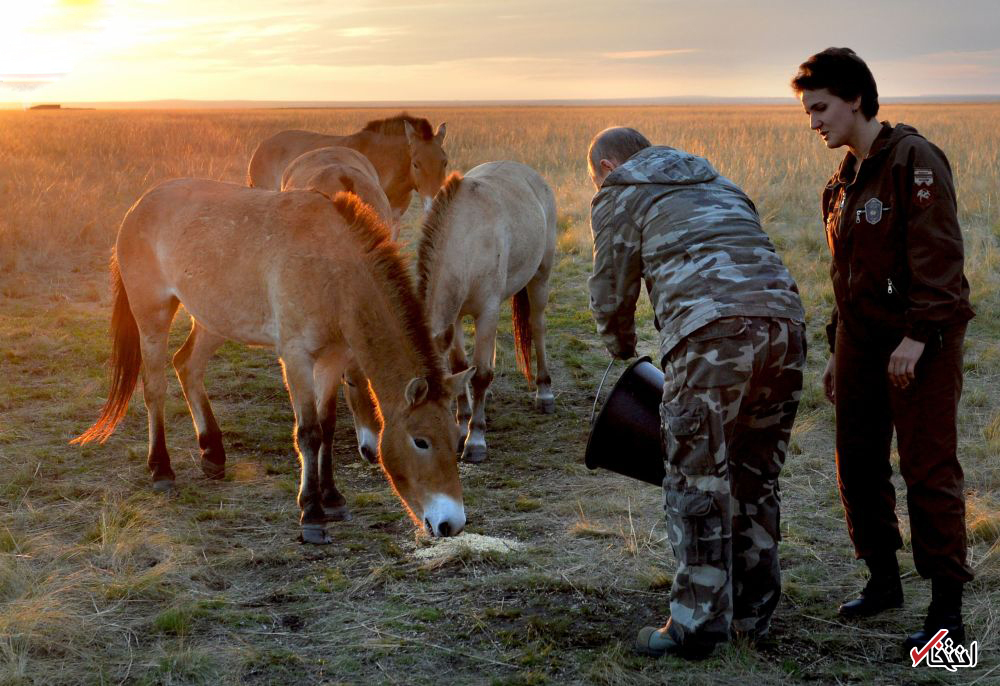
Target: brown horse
(335, 169)
(404, 150)
(319, 281)
(489, 237)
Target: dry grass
(102, 581)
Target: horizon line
(247, 103)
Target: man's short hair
(841, 72)
(617, 143)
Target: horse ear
(416, 391)
(439, 134)
(410, 134)
(457, 383)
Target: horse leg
(483, 357)
(362, 407)
(297, 368)
(190, 363)
(538, 298)
(326, 379)
(153, 323)
(458, 362)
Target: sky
(370, 50)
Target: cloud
(646, 54)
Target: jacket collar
(847, 171)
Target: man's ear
(607, 166)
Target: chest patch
(873, 210)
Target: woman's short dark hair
(841, 72)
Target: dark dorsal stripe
(394, 126)
(390, 269)
(434, 231)
(347, 182)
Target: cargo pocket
(685, 436)
(695, 527)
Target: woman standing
(902, 304)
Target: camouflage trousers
(730, 395)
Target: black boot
(882, 592)
(945, 612)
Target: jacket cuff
(921, 331)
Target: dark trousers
(924, 416)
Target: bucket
(625, 439)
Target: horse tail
(125, 364)
(521, 313)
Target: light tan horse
(335, 169)
(404, 150)
(318, 280)
(331, 170)
(489, 236)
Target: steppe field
(103, 581)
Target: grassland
(102, 581)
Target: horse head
(418, 449)
(428, 161)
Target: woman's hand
(828, 386)
(903, 362)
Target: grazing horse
(319, 280)
(335, 169)
(404, 150)
(489, 236)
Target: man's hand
(903, 362)
(620, 354)
(828, 385)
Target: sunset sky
(128, 50)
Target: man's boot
(945, 612)
(882, 592)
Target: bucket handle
(597, 396)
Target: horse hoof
(545, 405)
(165, 486)
(474, 454)
(315, 534)
(213, 470)
(337, 514)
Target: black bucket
(626, 436)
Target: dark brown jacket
(893, 232)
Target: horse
(334, 169)
(404, 150)
(317, 279)
(489, 236)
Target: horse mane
(389, 267)
(432, 235)
(395, 126)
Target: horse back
(513, 210)
(274, 154)
(240, 260)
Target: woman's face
(830, 116)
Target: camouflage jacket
(668, 218)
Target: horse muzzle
(444, 516)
